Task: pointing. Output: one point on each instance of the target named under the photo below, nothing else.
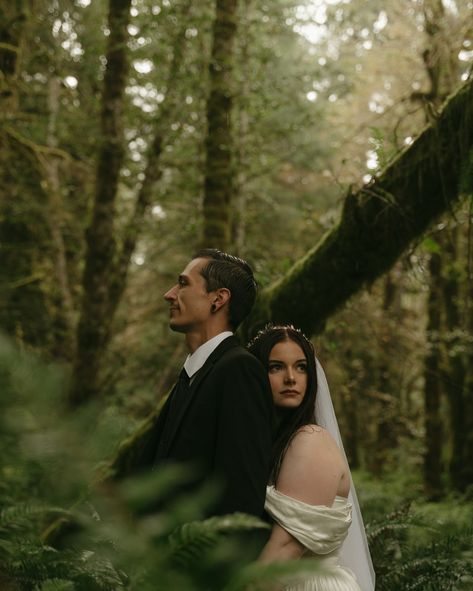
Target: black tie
(180, 393)
(176, 401)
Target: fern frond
(16, 515)
(189, 541)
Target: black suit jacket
(224, 428)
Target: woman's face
(287, 368)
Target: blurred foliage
(112, 541)
(323, 101)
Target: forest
(327, 142)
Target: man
(218, 416)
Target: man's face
(189, 301)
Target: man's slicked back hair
(235, 274)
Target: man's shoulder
(234, 357)
(236, 352)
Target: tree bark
(432, 384)
(13, 21)
(218, 184)
(240, 197)
(453, 370)
(94, 325)
(377, 225)
(440, 59)
(65, 314)
(467, 472)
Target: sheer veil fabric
(355, 553)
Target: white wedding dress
(322, 531)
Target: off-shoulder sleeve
(318, 528)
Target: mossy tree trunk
(444, 371)
(218, 183)
(95, 322)
(239, 196)
(13, 21)
(468, 387)
(432, 384)
(454, 366)
(377, 225)
(65, 317)
(388, 399)
(26, 306)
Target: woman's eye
(273, 368)
(302, 367)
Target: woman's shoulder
(313, 469)
(313, 447)
(313, 436)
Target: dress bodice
(318, 528)
(322, 531)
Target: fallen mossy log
(378, 223)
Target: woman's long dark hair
(290, 419)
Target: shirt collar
(195, 361)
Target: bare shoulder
(313, 438)
(313, 469)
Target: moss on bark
(378, 224)
(219, 142)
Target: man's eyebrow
(182, 277)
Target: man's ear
(222, 297)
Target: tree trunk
(13, 20)
(440, 60)
(377, 225)
(95, 321)
(64, 348)
(453, 373)
(467, 471)
(218, 185)
(240, 197)
(388, 402)
(432, 385)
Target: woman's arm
(281, 546)
(313, 471)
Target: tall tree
(219, 172)
(95, 323)
(432, 384)
(444, 363)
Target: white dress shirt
(195, 361)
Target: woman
(310, 496)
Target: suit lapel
(196, 382)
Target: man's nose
(170, 295)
